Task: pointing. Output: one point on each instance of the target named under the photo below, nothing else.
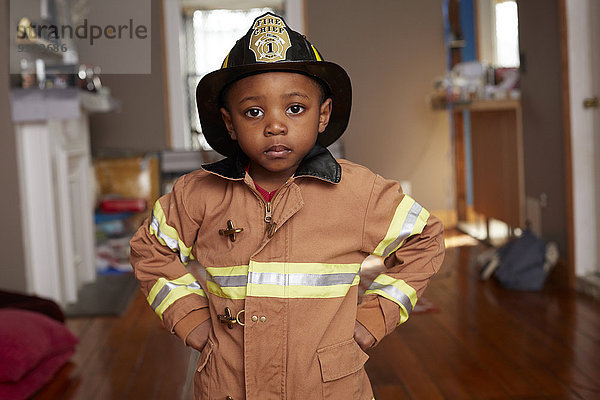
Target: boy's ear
(324, 115)
(228, 124)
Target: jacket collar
(318, 163)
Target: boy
(281, 229)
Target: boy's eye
(295, 109)
(254, 113)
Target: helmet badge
(269, 40)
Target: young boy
(281, 229)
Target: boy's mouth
(277, 151)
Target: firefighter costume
(282, 278)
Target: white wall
(393, 51)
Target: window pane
(215, 33)
(507, 34)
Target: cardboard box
(129, 177)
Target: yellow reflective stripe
(316, 53)
(409, 219)
(236, 292)
(395, 290)
(167, 235)
(303, 268)
(166, 292)
(225, 61)
(174, 295)
(228, 271)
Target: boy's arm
(411, 241)
(160, 250)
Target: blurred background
(486, 111)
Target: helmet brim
(211, 85)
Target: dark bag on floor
(522, 263)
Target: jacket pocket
(204, 355)
(203, 372)
(342, 370)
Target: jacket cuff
(370, 315)
(188, 323)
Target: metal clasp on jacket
(229, 319)
(231, 231)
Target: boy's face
(276, 118)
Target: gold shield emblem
(269, 40)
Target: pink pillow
(32, 348)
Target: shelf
(477, 105)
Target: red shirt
(266, 195)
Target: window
(507, 34)
(209, 35)
(498, 33)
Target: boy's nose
(275, 127)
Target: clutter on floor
(522, 264)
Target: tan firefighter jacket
(289, 270)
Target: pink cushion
(32, 348)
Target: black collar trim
(318, 163)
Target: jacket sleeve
(160, 251)
(410, 244)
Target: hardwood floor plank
(394, 392)
(395, 355)
(579, 373)
(487, 357)
(78, 326)
(535, 348)
(123, 358)
(157, 378)
(382, 368)
(552, 339)
(511, 360)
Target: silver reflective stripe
(407, 228)
(169, 286)
(396, 293)
(173, 244)
(230, 281)
(272, 278)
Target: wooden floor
(481, 343)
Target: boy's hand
(199, 336)
(362, 336)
